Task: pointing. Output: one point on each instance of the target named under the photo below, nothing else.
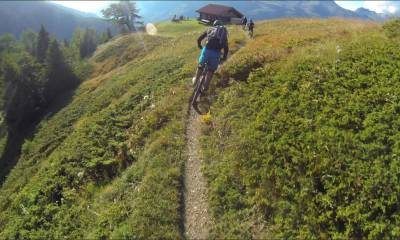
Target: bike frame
(199, 85)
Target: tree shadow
(17, 137)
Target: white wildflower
(338, 49)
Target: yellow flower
(207, 119)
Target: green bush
(392, 28)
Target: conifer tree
(109, 34)
(59, 75)
(23, 94)
(6, 42)
(29, 41)
(88, 44)
(66, 43)
(43, 44)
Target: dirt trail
(196, 216)
(197, 220)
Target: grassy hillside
(110, 163)
(301, 142)
(304, 141)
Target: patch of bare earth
(196, 216)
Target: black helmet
(218, 23)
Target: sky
(85, 6)
(377, 6)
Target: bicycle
(199, 85)
(250, 32)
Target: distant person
(244, 22)
(250, 27)
(217, 39)
(174, 19)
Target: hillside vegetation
(302, 141)
(109, 165)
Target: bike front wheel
(197, 89)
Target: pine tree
(75, 43)
(109, 34)
(88, 44)
(43, 44)
(59, 75)
(66, 43)
(23, 95)
(105, 36)
(6, 43)
(29, 41)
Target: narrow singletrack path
(196, 214)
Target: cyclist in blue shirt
(217, 39)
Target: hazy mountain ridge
(368, 14)
(16, 17)
(156, 11)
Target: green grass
(109, 164)
(173, 29)
(301, 142)
(304, 144)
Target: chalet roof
(215, 9)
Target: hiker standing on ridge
(244, 22)
(217, 39)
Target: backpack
(217, 34)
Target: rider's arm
(202, 36)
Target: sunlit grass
(299, 139)
(109, 165)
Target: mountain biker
(217, 39)
(244, 22)
(250, 27)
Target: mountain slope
(18, 16)
(294, 145)
(368, 14)
(303, 142)
(115, 152)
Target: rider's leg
(202, 61)
(213, 62)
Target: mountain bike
(199, 85)
(250, 32)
